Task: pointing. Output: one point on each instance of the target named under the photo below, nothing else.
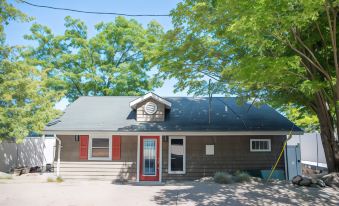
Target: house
(153, 138)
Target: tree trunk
(327, 132)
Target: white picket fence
(34, 151)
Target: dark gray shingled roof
(186, 114)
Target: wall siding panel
(142, 116)
(73, 167)
(231, 153)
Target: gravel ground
(35, 190)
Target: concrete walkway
(37, 192)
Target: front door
(149, 158)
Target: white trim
(260, 150)
(166, 133)
(91, 137)
(169, 155)
(160, 159)
(138, 159)
(134, 103)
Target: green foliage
(240, 176)
(223, 178)
(49, 179)
(309, 122)
(59, 180)
(227, 178)
(9, 13)
(26, 104)
(115, 61)
(280, 52)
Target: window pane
(100, 152)
(261, 145)
(149, 167)
(100, 142)
(256, 145)
(265, 145)
(177, 141)
(177, 155)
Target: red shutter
(83, 150)
(116, 150)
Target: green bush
(59, 179)
(240, 176)
(223, 178)
(50, 179)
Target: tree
(281, 52)
(26, 105)
(115, 61)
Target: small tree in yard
(25, 102)
(281, 52)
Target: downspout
(59, 151)
(286, 164)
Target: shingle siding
(231, 153)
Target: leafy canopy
(280, 52)
(115, 61)
(26, 105)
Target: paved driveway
(85, 193)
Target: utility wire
(92, 12)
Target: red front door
(149, 158)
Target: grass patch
(58, 179)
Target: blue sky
(54, 19)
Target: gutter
(187, 133)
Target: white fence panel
(33, 151)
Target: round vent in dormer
(151, 108)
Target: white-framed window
(260, 145)
(100, 147)
(177, 155)
(210, 149)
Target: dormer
(150, 108)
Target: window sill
(260, 150)
(99, 158)
(176, 173)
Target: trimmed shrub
(240, 176)
(59, 179)
(50, 179)
(223, 178)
